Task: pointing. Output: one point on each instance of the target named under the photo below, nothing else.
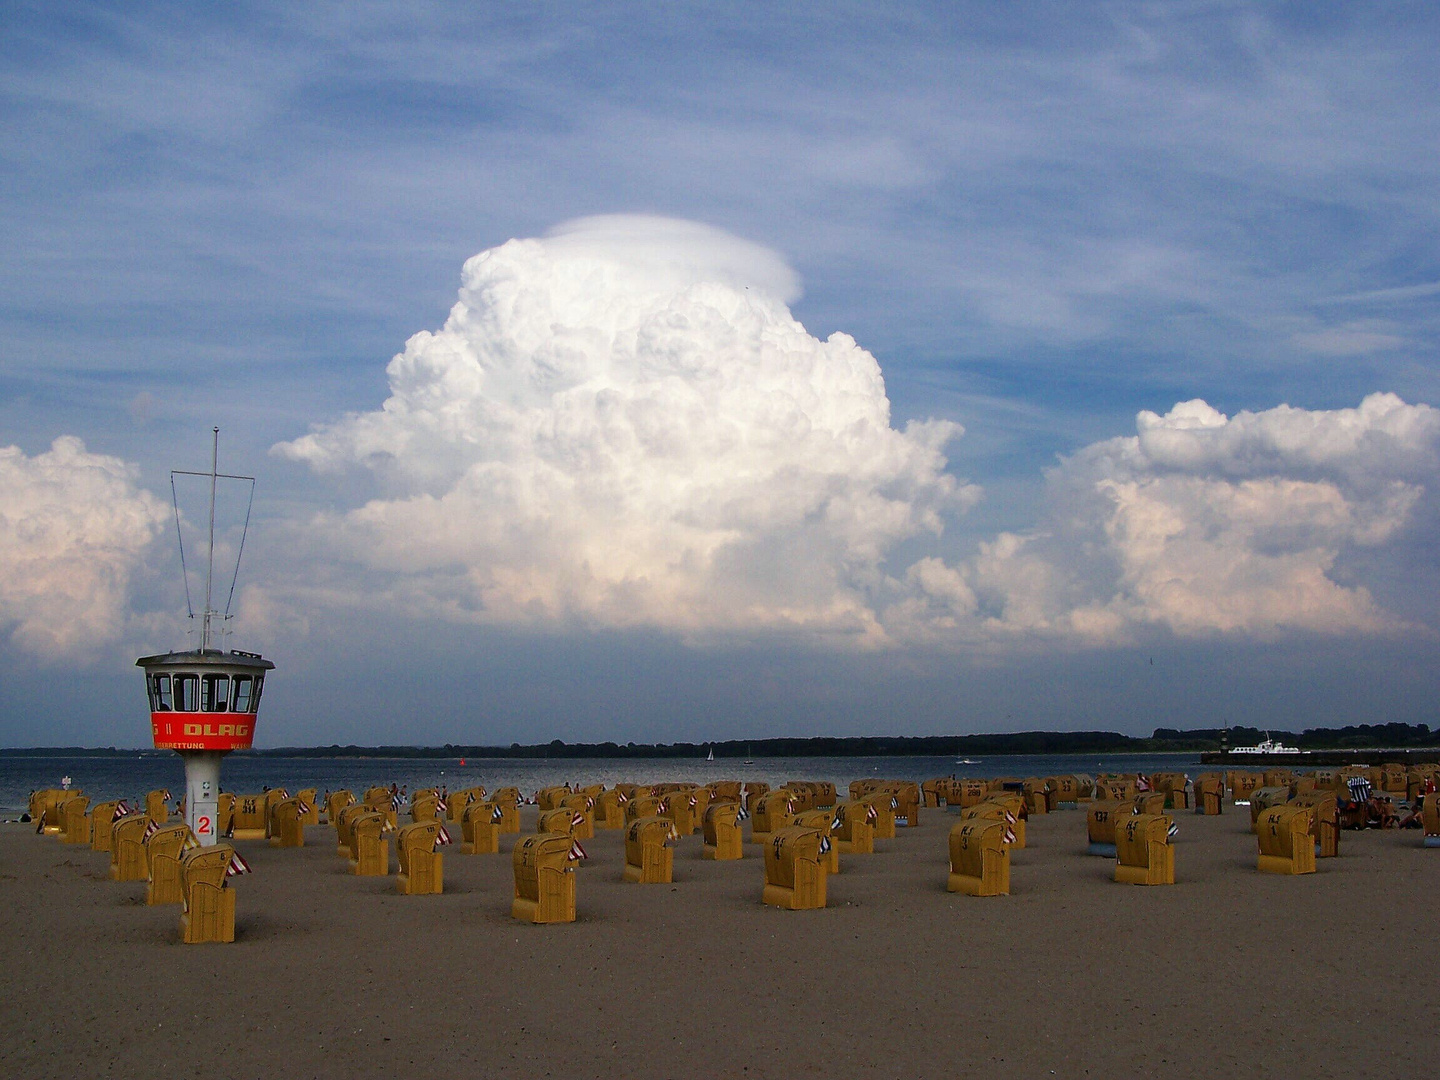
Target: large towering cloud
(621, 424)
(1201, 523)
(74, 529)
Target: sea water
(130, 775)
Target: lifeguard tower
(204, 702)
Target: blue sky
(1039, 222)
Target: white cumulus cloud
(74, 529)
(622, 424)
(1201, 523)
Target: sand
(1226, 973)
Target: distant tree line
(1163, 740)
(1357, 736)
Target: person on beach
(1413, 820)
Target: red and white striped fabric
(497, 816)
(442, 837)
(440, 806)
(122, 809)
(1142, 782)
(576, 851)
(1009, 836)
(237, 865)
(577, 820)
(151, 829)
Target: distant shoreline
(1369, 738)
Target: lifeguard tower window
(244, 700)
(186, 689)
(215, 693)
(160, 693)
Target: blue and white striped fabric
(1359, 788)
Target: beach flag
(871, 814)
(304, 807)
(440, 806)
(1009, 818)
(824, 845)
(577, 820)
(442, 837)
(1009, 835)
(151, 829)
(237, 865)
(576, 851)
(837, 823)
(121, 809)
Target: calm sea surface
(130, 775)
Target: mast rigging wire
(180, 538)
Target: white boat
(1267, 746)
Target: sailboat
(711, 755)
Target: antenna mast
(210, 551)
(214, 475)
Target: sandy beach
(1227, 973)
